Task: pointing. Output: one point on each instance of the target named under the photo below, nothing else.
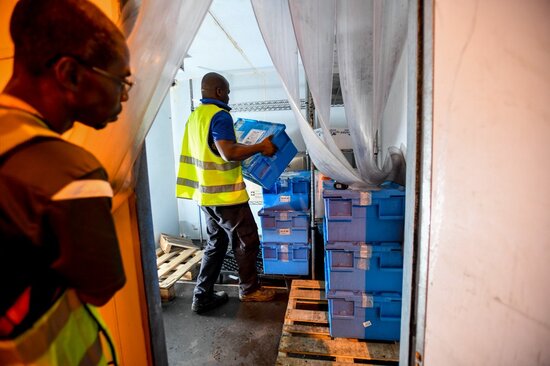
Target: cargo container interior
(469, 103)
(229, 42)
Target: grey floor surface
(234, 334)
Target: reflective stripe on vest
(204, 176)
(65, 335)
(211, 189)
(206, 165)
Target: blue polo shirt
(221, 126)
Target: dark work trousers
(226, 225)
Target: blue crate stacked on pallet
(285, 225)
(363, 232)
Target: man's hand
(268, 147)
(234, 151)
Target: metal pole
(310, 112)
(192, 109)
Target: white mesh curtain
(158, 43)
(276, 27)
(370, 37)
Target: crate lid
(249, 131)
(364, 196)
(376, 247)
(289, 244)
(282, 214)
(296, 175)
(364, 299)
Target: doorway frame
(419, 182)
(417, 204)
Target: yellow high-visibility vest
(69, 332)
(204, 176)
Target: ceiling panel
(228, 39)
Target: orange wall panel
(6, 46)
(126, 313)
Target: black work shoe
(203, 305)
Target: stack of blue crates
(363, 233)
(285, 225)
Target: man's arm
(234, 151)
(89, 256)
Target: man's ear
(67, 72)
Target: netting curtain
(369, 36)
(158, 43)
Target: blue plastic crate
(369, 216)
(284, 226)
(372, 316)
(258, 168)
(286, 258)
(290, 192)
(364, 267)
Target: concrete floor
(234, 334)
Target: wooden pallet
(306, 340)
(179, 263)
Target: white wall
(188, 211)
(162, 179)
(489, 261)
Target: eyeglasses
(125, 84)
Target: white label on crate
(365, 251)
(284, 249)
(283, 216)
(285, 231)
(364, 199)
(363, 263)
(366, 301)
(284, 198)
(367, 324)
(252, 137)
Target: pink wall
(489, 262)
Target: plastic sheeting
(158, 43)
(275, 24)
(370, 38)
(314, 25)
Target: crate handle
(386, 318)
(339, 217)
(390, 268)
(382, 204)
(279, 142)
(390, 217)
(340, 269)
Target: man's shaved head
(43, 30)
(215, 86)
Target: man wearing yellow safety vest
(210, 173)
(59, 254)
